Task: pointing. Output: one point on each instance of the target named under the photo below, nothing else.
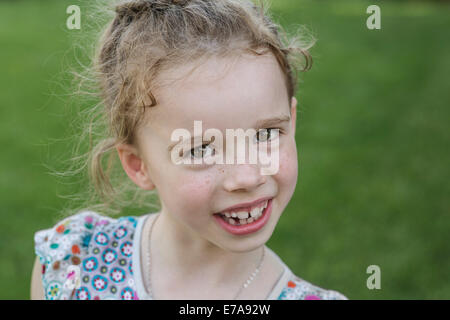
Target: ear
(294, 113)
(134, 166)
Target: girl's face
(223, 94)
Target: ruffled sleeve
(60, 250)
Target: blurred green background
(373, 144)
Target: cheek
(193, 192)
(288, 171)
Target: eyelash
(280, 131)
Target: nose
(243, 177)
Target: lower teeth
(237, 222)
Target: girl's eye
(202, 151)
(268, 134)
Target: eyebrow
(259, 124)
(272, 121)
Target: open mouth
(244, 216)
(245, 221)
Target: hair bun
(132, 8)
(180, 2)
(136, 6)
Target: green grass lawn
(372, 136)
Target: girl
(162, 65)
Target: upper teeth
(255, 212)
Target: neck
(187, 258)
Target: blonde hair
(141, 40)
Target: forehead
(222, 93)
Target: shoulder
(78, 244)
(298, 289)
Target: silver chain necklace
(245, 285)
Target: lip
(249, 227)
(245, 205)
